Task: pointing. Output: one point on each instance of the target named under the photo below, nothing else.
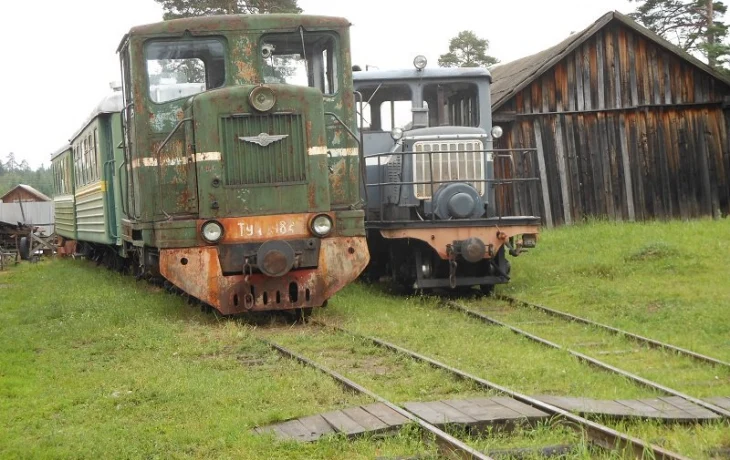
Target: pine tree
(693, 25)
(467, 50)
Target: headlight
(262, 98)
(212, 231)
(321, 225)
(420, 62)
(396, 134)
(497, 132)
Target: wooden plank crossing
(377, 418)
(720, 402)
(670, 408)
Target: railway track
(599, 434)
(596, 362)
(637, 338)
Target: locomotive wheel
(487, 289)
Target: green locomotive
(225, 163)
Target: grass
(93, 364)
(665, 280)
(680, 373)
(395, 377)
(493, 353)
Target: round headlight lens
(212, 231)
(262, 98)
(497, 132)
(321, 225)
(397, 134)
(420, 62)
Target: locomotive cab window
(386, 107)
(301, 58)
(181, 68)
(455, 104)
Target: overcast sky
(60, 56)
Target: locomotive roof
(413, 74)
(215, 23)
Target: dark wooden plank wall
(626, 130)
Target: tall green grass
(666, 280)
(95, 365)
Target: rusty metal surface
(220, 23)
(263, 228)
(440, 238)
(197, 271)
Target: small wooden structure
(24, 193)
(26, 225)
(480, 413)
(627, 126)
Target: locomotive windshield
(301, 58)
(180, 68)
(388, 106)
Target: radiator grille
(450, 161)
(281, 161)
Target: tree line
(13, 173)
(696, 26)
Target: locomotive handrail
(159, 162)
(125, 209)
(360, 151)
(489, 183)
(169, 136)
(112, 229)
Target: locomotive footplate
(198, 271)
(469, 238)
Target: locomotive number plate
(262, 228)
(256, 229)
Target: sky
(59, 57)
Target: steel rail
(445, 440)
(583, 357)
(638, 338)
(601, 435)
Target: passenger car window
(180, 68)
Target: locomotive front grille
(254, 151)
(449, 161)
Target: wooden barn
(626, 125)
(23, 193)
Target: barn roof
(512, 77)
(41, 196)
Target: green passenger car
(63, 193)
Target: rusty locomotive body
(229, 166)
(435, 181)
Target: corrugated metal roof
(512, 77)
(111, 103)
(29, 189)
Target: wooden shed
(626, 126)
(23, 193)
